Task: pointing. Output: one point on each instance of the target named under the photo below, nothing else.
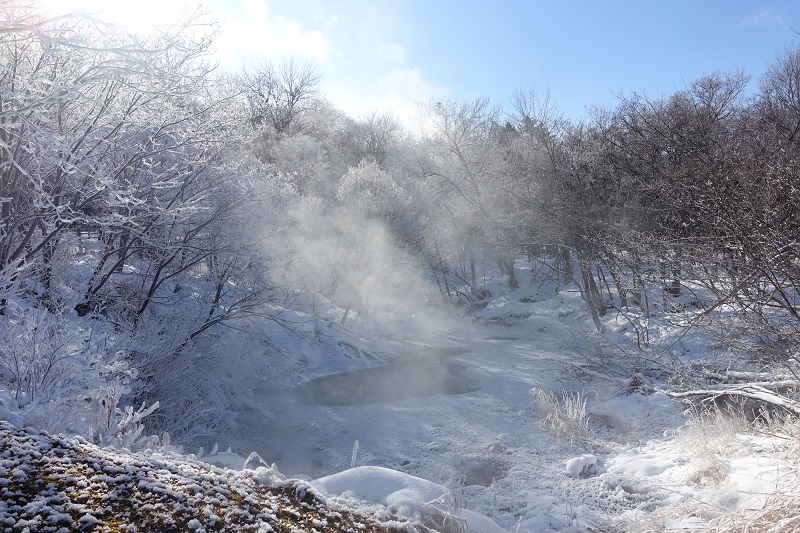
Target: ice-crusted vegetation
(50, 483)
(563, 416)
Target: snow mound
(479, 523)
(402, 494)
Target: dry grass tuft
(711, 436)
(781, 512)
(564, 416)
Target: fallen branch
(773, 386)
(758, 392)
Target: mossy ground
(51, 483)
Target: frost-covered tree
(462, 168)
(279, 96)
(374, 137)
(124, 175)
(377, 195)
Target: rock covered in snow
(582, 467)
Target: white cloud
(327, 22)
(398, 91)
(396, 53)
(761, 19)
(251, 32)
(407, 83)
(356, 79)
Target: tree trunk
(588, 297)
(507, 268)
(611, 264)
(473, 277)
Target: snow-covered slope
(52, 483)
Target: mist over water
(349, 267)
(306, 429)
(350, 261)
(409, 374)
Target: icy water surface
(409, 374)
(310, 430)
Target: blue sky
(386, 54)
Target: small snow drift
(403, 495)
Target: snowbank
(402, 494)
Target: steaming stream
(409, 374)
(297, 428)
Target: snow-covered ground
(443, 418)
(640, 459)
